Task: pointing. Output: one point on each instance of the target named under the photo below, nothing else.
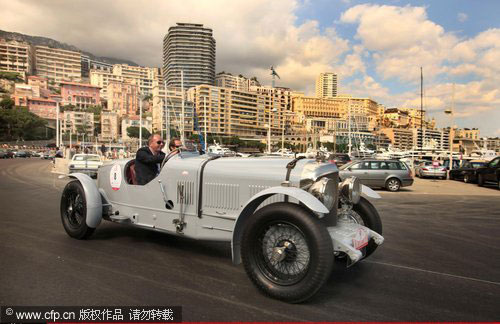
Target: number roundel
(115, 177)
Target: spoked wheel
(74, 211)
(287, 252)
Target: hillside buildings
(16, 57)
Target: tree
(11, 76)
(20, 124)
(133, 131)
(7, 103)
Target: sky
(376, 47)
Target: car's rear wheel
(393, 184)
(74, 211)
(287, 252)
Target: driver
(148, 160)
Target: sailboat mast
(421, 109)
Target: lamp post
(205, 107)
(57, 124)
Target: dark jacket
(147, 165)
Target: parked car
(432, 169)
(287, 219)
(389, 174)
(446, 164)
(3, 154)
(23, 154)
(339, 158)
(490, 173)
(467, 171)
(85, 163)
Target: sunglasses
(160, 142)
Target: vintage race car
(288, 220)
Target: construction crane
(274, 74)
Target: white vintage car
(85, 163)
(288, 220)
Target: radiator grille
(222, 195)
(187, 187)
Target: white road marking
(434, 272)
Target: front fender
(251, 206)
(92, 197)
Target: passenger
(148, 160)
(174, 145)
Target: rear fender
(251, 206)
(92, 197)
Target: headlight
(324, 190)
(350, 189)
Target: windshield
(476, 165)
(87, 158)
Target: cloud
(462, 17)
(402, 39)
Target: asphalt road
(440, 260)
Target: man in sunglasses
(148, 160)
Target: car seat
(130, 173)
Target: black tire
(467, 178)
(371, 219)
(393, 184)
(306, 239)
(480, 180)
(74, 211)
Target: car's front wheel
(74, 211)
(287, 252)
(467, 178)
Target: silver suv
(389, 174)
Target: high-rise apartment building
(58, 65)
(226, 80)
(189, 48)
(326, 85)
(16, 57)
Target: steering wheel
(169, 156)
